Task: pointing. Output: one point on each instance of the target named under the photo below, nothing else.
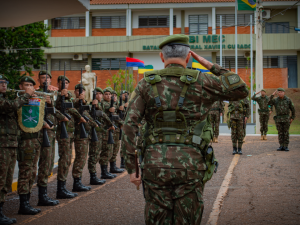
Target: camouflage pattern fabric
(247, 112)
(116, 146)
(237, 133)
(263, 119)
(94, 153)
(216, 109)
(283, 133)
(106, 151)
(166, 159)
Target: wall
(109, 32)
(68, 33)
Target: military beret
(78, 85)
(44, 72)
(2, 77)
(61, 77)
(114, 92)
(263, 90)
(28, 79)
(280, 89)
(124, 91)
(176, 39)
(107, 90)
(97, 89)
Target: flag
(246, 5)
(142, 70)
(199, 67)
(132, 62)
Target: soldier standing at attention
(283, 119)
(246, 115)
(215, 112)
(175, 102)
(9, 132)
(264, 112)
(124, 94)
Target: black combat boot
(62, 192)
(234, 151)
(114, 168)
(240, 151)
(28, 198)
(280, 148)
(78, 186)
(122, 162)
(105, 174)
(3, 219)
(285, 149)
(95, 181)
(44, 200)
(25, 207)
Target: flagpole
(221, 48)
(251, 67)
(235, 21)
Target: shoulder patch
(231, 80)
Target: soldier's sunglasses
(4, 82)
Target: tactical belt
(30, 136)
(263, 110)
(9, 131)
(282, 116)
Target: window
(228, 19)
(108, 63)
(109, 22)
(198, 24)
(58, 64)
(278, 27)
(68, 23)
(271, 62)
(155, 21)
(242, 61)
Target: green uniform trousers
(28, 166)
(94, 153)
(283, 133)
(237, 133)
(116, 147)
(215, 122)
(8, 157)
(106, 151)
(264, 119)
(81, 152)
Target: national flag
(132, 62)
(142, 70)
(199, 67)
(246, 5)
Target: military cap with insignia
(176, 39)
(28, 79)
(280, 89)
(97, 89)
(263, 90)
(2, 77)
(44, 72)
(124, 91)
(61, 77)
(107, 90)
(78, 85)
(114, 92)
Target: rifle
(126, 99)
(46, 142)
(121, 103)
(82, 108)
(94, 116)
(112, 118)
(137, 170)
(63, 107)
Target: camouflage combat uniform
(282, 118)
(264, 112)
(9, 133)
(173, 173)
(246, 112)
(215, 111)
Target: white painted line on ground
(215, 213)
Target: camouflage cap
(61, 77)
(263, 90)
(28, 79)
(124, 91)
(280, 89)
(114, 92)
(2, 77)
(97, 89)
(44, 72)
(107, 90)
(176, 39)
(78, 85)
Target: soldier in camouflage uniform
(9, 132)
(47, 154)
(283, 106)
(124, 95)
(65, 145)
(175, 102)
(95, 147)
(81, 144)
(247, 114)
(215, 112)
(264, 112)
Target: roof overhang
(21, 12)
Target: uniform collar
(174, 65)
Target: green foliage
(118, 79)
(11, 60)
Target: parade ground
(259, 187)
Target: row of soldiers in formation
(15, 144)
(239, 112)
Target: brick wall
(157, 31)
(109, 32)
(68, 33)
(231, 30)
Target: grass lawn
(294, 128)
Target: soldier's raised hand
(274, 92)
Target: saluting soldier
(285, 114)
(175, 102)
(9, 133)
(215, 112)
(264, 112)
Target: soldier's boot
(25, 207)
(95, 181)
(240, 151)
(105, 174)
(62, 192)
(79, 187)
(28, 198)
(3, 219)
(234, 151)
(265, 137)
(44, 200)
(286, 148)
(216, 140)
(122, 162)
(280, 148)
(262, 137)
(114, 168)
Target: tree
(119, 78)
(22, 47)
